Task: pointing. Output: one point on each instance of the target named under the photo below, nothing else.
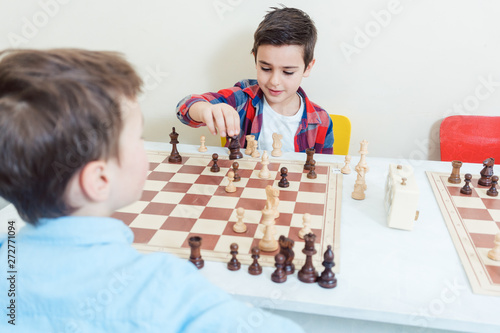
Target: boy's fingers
(220, 122)
(209, 121)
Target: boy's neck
(288, 107)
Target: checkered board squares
(473, 221)
(187, 199)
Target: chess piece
(240, 227)
(255, 152)
(202, 148)
(312, 170)
(359, 188)
(264, 171)
(346, 169)
(215, 166)
(307, 273)
(195, 256)
(174, 157)
(327, 278)
(279, 275)
(230, 188)
(286, 249)
(234, 148)
(255, 268)
(455, 173)
(250, 147)
(362, 160)
(306, 222)
(277, 145)
(237, 177)
(268, 242)
(494, 253)
(273, 200)
(487, 172)
(492, 192)
(234, 264)
(466, 189)
(310, 154)
(283, 181)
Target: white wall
(395, 68)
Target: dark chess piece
(195, 257)
(234, 148)
(310, 154)
(279, 275)
(283, 181)
(327, 278)
(255, 268)
(286, 249)
(466, 189)
(487, 172)
(307, 273)
(174, 157)
(312, 170)
(492, 192)
(234, 264)
(237, 177)
(215, 167)
(455, 173)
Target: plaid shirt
(315, 128)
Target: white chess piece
(255, 152)
(230, 188)
(240, 226)
(494, 253)
(359, 185)
(268, 243)
(346, 169)
(306, 222)
(250, 147)
(362, 161)
(277, 145)
(272, 199)
(264, 171)
(202, 148)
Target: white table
(387, 278)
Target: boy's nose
(275, 79)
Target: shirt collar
(79, 230)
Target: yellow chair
(341, 134)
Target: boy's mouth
(275, 92)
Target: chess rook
(455, 173)
(310, 154)
(195, 257)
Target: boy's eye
(288, 73)
(265, 69)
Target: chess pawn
(494, 253)
(279, 275)
(255, 268)
(492, 192)
(195, 257)
(306, 222)
(240, 227)
(312, 170)
(346, 169)
(255, 152)
(237, 177)
(215, 167)
(249, 149)
(230, 188)
(202, 148)
(455, 173)
(327, 278)
(283, 181)
(277, 145)
(264, 171)
(466, 189)
(234, 264)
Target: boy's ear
(308, 68)
(95, 181)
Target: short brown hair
(287, 26)
(59, 110)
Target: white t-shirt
(273, 122)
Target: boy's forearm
(196, 110)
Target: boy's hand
(221, 117)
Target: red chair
(470, 139)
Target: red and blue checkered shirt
(315, 128)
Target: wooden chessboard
(184, 200)
(473, 221)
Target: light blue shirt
(81, 274)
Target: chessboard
(187, 199)
(473, 221)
